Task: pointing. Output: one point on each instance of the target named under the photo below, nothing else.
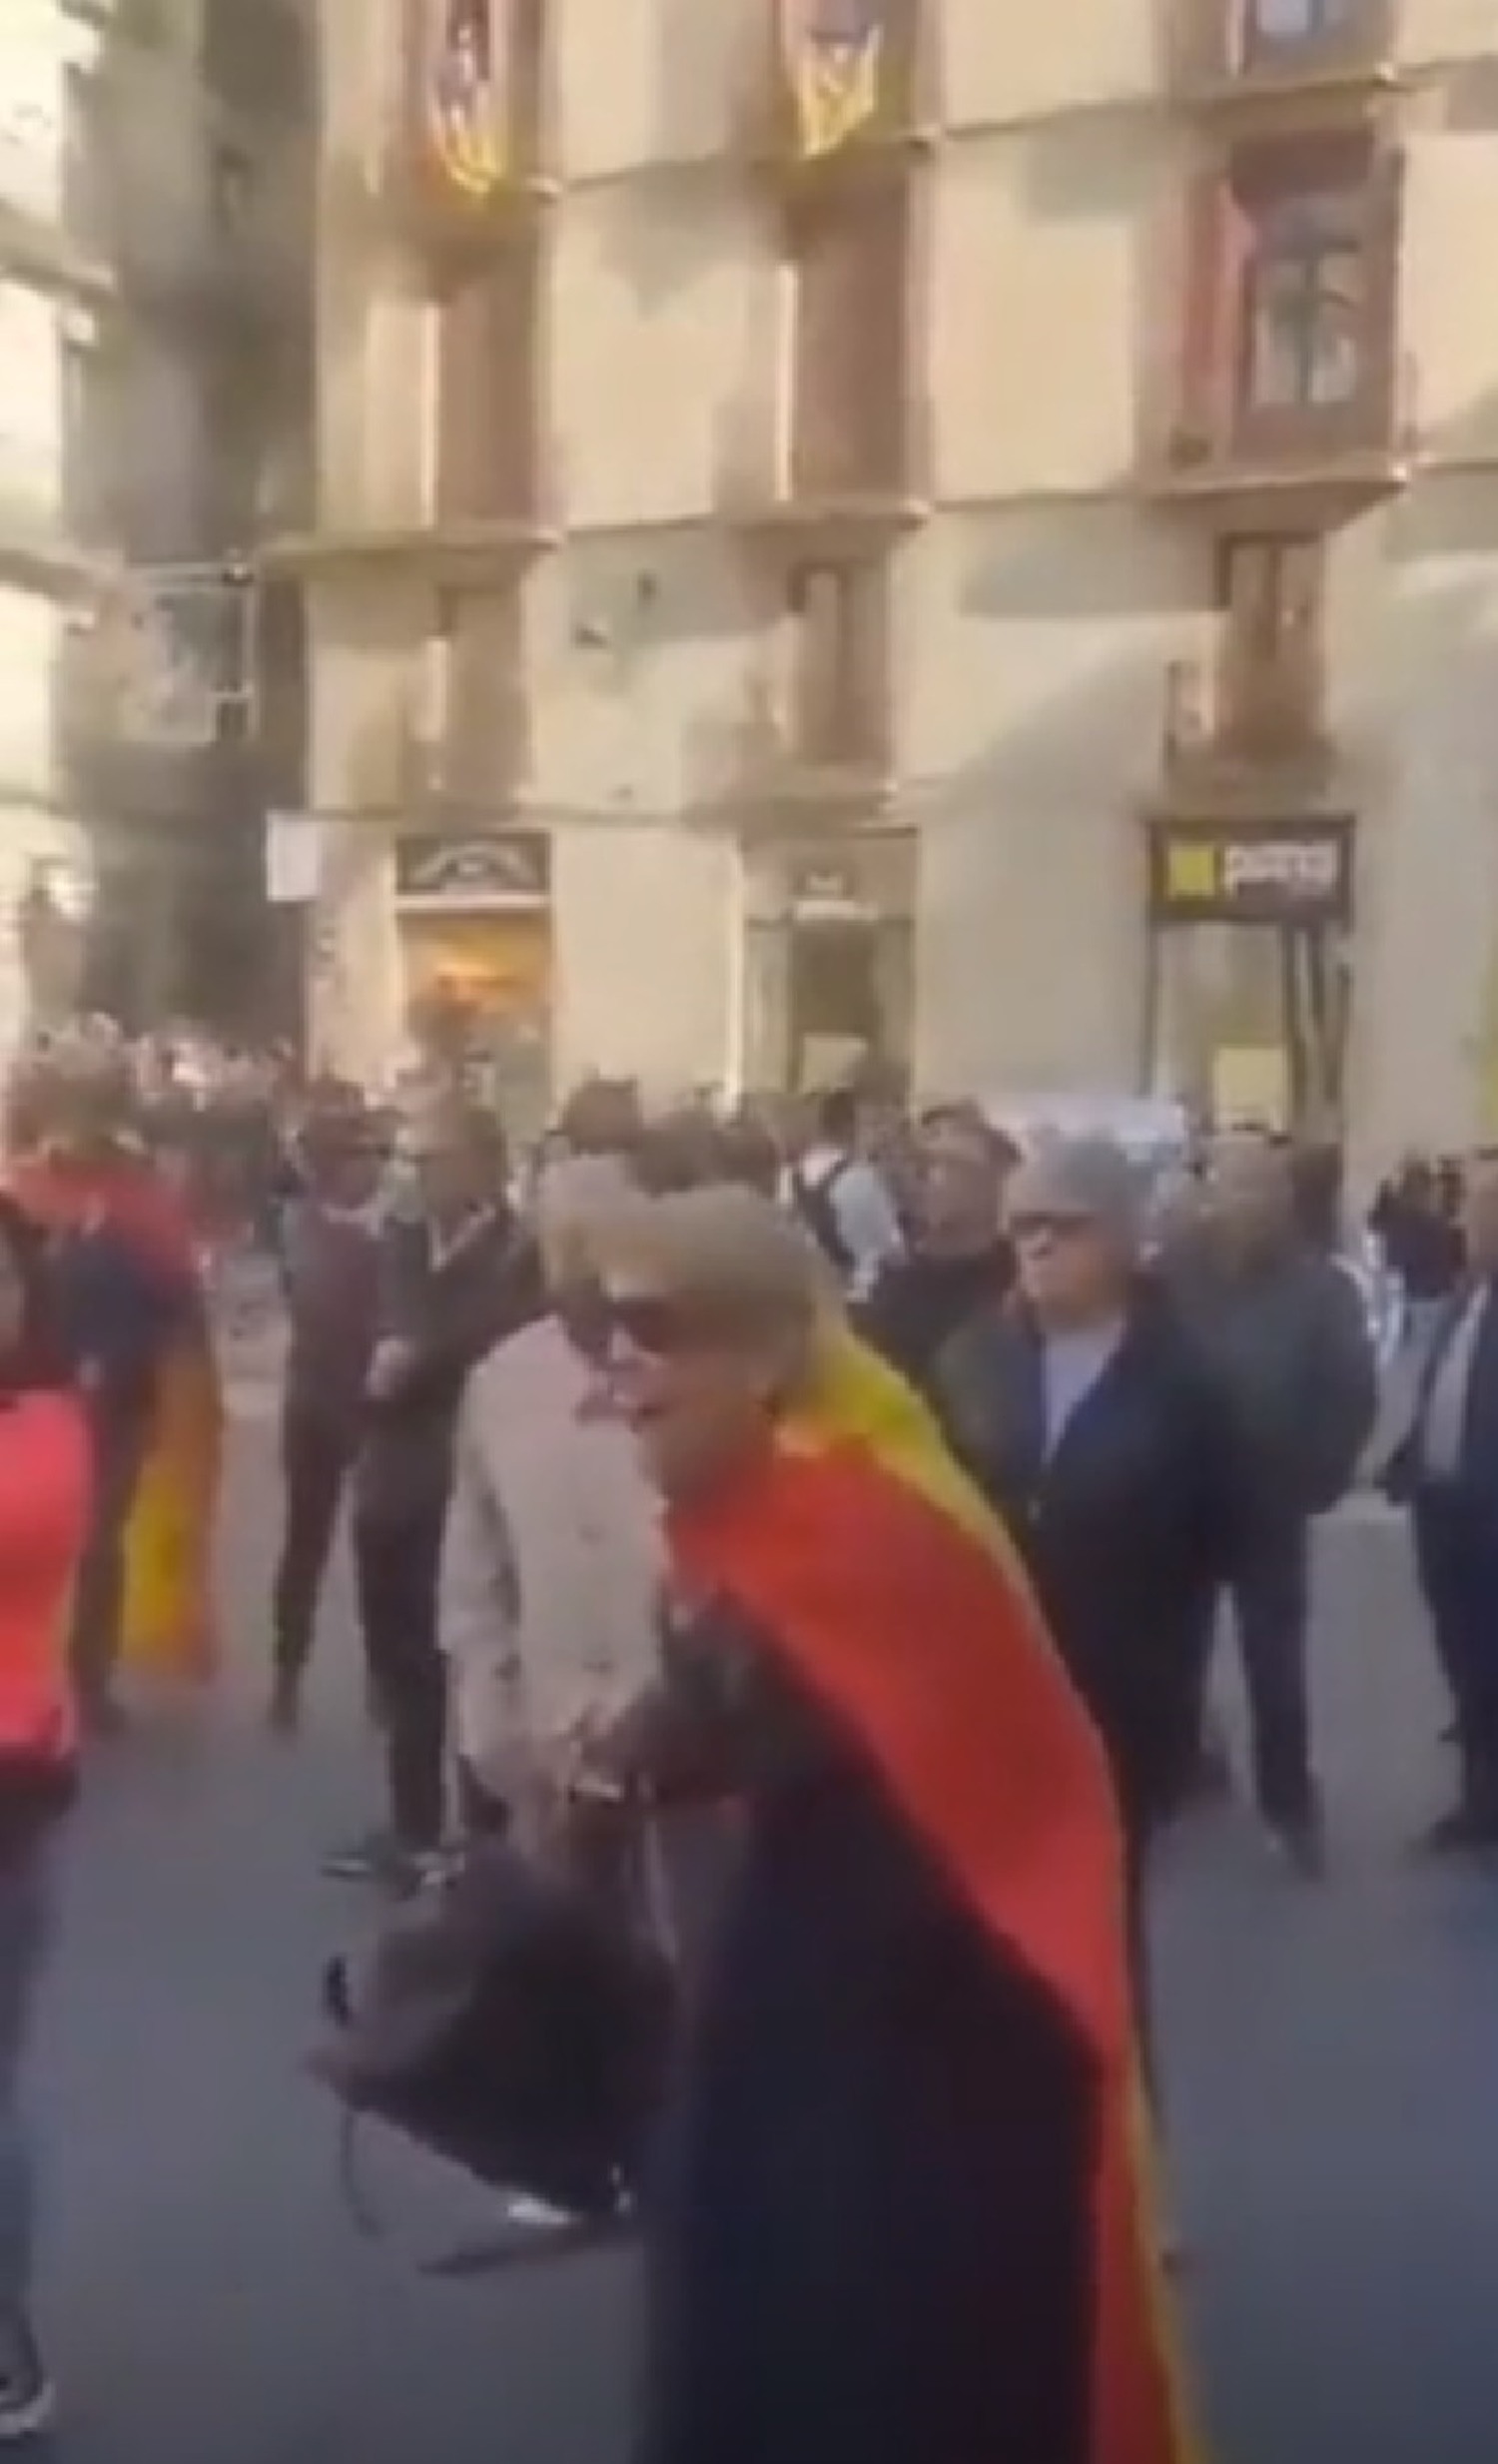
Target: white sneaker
(28, 2399)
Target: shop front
(473, 915)
(827, 963)
(1248, 983)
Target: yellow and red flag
(859, 1550)
(464, 95)
(834, 56)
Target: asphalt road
(1332, 2064)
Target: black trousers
(315, 1462)
(1270, 1591)
(1456, 1558)
(396, 1566)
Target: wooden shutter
(848, 432)
(416, 44)
(484, 694)
(1384, 410)
(486, 390)
(839, 681)
(1219, 241)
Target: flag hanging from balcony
(463, 97)
(834, 52)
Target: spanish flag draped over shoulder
(833, 54)
(167, 1614)
(864, 1553)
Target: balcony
(1245, 733)
(38, 249)
(443, 757)
(825, 491)
(1279, 61)
(38, 548)
(776, 771)
(341, 526)
(410, 181)
(826, 113)
(1315, 466)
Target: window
(1270, 592)
(1269, 24)
(834, 681)
(1305, 300)
(1269, 588)
(847, 257)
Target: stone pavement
(1332, 2055)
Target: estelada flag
(465, 97)
(833, 51)
(859, 1551)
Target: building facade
(192, 181)
(52, 296)
(961, 534)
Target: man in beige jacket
(553, 1564)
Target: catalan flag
(834, 52)
(463, 97)
(860, 1552)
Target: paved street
(1333, 2077)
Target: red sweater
(45, 1487)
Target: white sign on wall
(293, 859)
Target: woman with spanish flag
(898, 2215)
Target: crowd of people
(849, 1502)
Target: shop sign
(1201, 875)
(511, 869)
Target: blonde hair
(733, 1258)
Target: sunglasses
(1051, 1226)
(649, 1324)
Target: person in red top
(128, 1293)
(45, 1503)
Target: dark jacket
(1476, 1482)
(1289, 1341)
(922, 1301)
(1126, 1528)
(450, 1313)
(332, 1269)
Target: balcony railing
(823, 115)
(845, 481)
(1241, 51)
(1237, 709)
(767, 765)
(1363, 448)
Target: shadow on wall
(1017, 576)
(1467, 435)
(1068, 174)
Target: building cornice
(36, 251)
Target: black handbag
(513, 2022)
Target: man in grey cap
(1088, 1420)
(1281, 1324)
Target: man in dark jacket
(958, 1263)
(1282, 1328)
(330, 1268)
(456, 1280)
(1449, 1470)
(1086, 1415)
